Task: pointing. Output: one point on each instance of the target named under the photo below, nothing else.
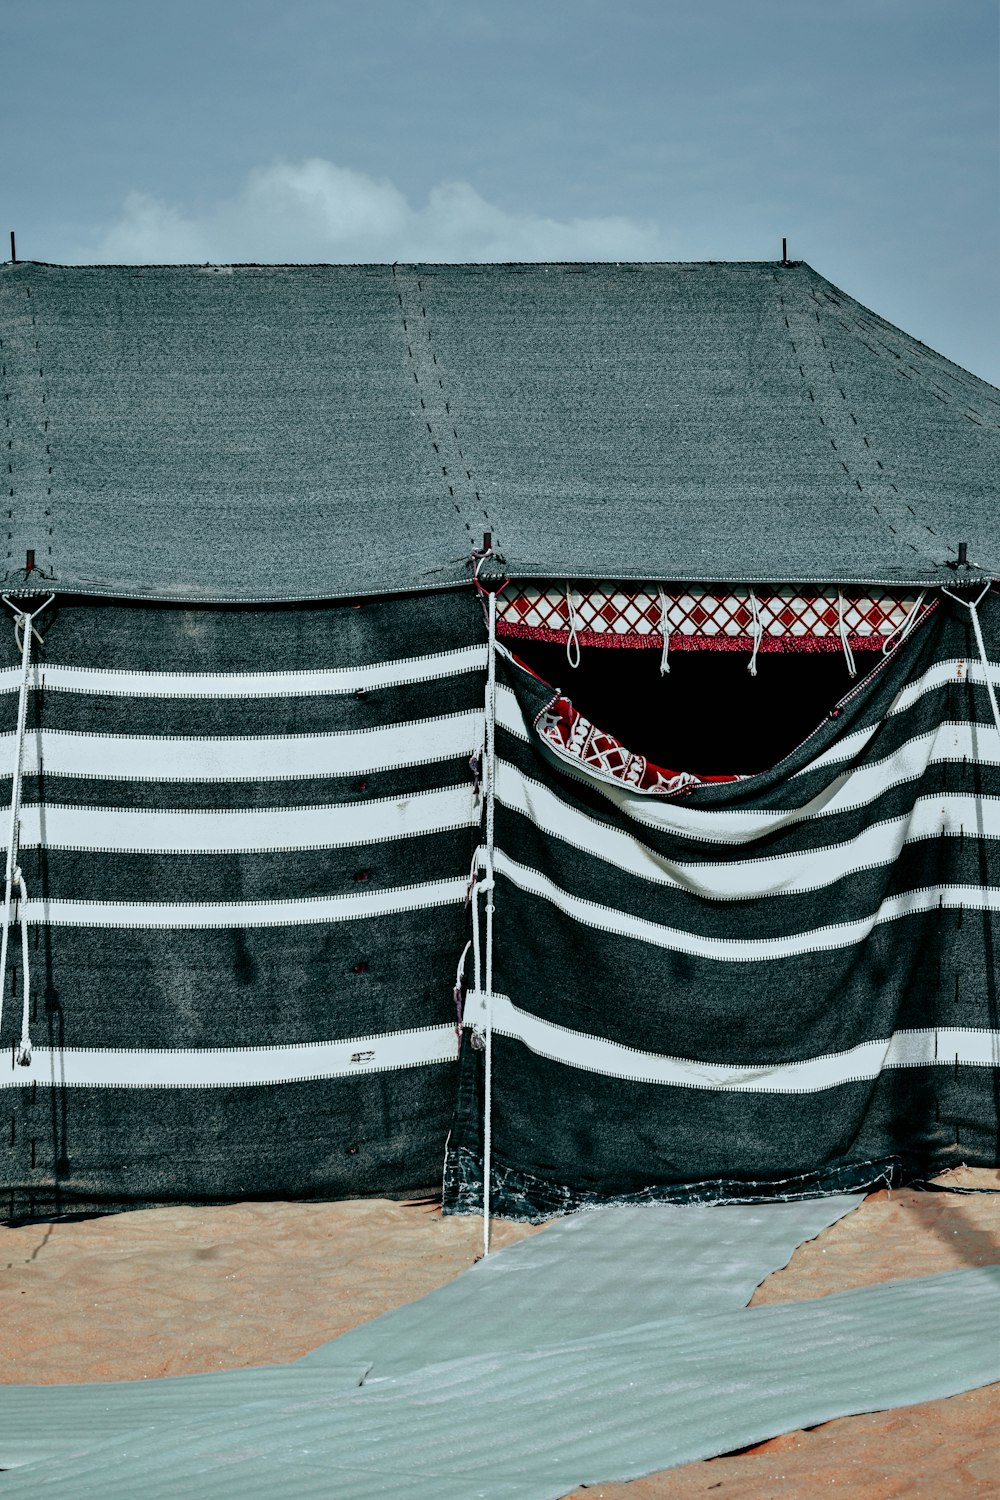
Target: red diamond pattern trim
(703, 616)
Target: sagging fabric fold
(776, 986)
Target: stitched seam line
(874, 337)
(441, 427)
(832, 441)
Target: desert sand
(178, 1290)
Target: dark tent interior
(707, 715)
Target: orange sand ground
(178, 1290)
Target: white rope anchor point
(972, 605)
(24, 634)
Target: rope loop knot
(478, 556)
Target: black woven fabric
(776, 986)
(107, 981)
(198, 901)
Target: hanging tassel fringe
(573, 640)
(852, 670)
(756, 629)
(665, 632)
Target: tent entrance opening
(707, 715)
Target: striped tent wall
(246, 837)
(777, 986)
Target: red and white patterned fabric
(704, 616)
(572, 736)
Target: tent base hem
(531, 1199)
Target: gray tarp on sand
(614, 1343)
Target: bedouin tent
(388, 788)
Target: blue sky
(867, 131)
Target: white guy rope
(903, 630)
(24, 633)
(852, 670)
(490, 776)
(972, 605)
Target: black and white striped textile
(778, 986)
(246, 837)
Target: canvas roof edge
(384, 265)
(900, 332)
(108, 427)
(955, 580)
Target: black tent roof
(291, 432)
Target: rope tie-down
(972, 605)
(842, 631)
(898, 635)
(24, 633)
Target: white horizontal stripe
(240, 1067)
(277, 757)
(944, 1045)
(783, 874)
(510, 713)
(227, 914)
(846, 749)
(741, 950)
(142, 831)
(129, 684)
(942, 674)
(969, 897)
(906, 1049)
(949, 740)
(951, 816)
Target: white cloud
(316, 211)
